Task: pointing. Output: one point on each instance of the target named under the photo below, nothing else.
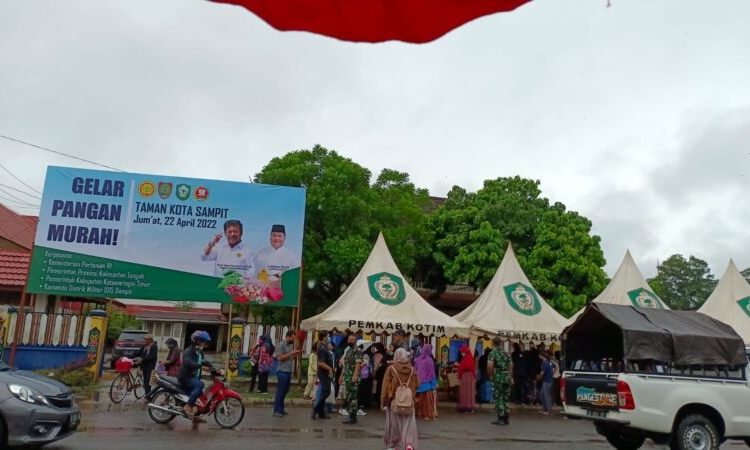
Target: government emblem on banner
(182, 191)
(201, 193)
(165, 190)
(386, 288)
(643, 298)
(744, 304)
(523, 299)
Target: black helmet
(171, 343)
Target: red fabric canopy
(416, 21)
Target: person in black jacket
(148, 355)
(190, 371)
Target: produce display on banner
(130, 235)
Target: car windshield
(133, 336)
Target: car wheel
(3, 434)
(696, 432)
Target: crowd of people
(403, 378)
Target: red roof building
(13, 269)
(16, 231)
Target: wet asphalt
(128, 426)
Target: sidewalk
(240, 385)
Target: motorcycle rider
(190, 371)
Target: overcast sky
(637, 116)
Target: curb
(303, 403)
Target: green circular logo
(386, 288)
(523, 299)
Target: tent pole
(295, 326)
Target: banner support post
(229, 340)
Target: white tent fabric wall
(511, 307)
(380, 300)
(627, 287)
(730, 302)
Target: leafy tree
(343, 216)
(471, 231)
(746, 273)
(565, 265)
(683, 283)
(555, 248)
(118, 321)
(185, 306)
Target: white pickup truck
(677, 377)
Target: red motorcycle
(168, 400)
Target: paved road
(127, 426)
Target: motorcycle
(168, 399)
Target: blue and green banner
(129, 235)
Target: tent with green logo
(380, 300)
(730, 302)
(511, 308)
(627, 287)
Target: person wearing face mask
(353, 359)
(190, 371)
(286, 354)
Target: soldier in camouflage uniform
(500, 368)
(352, 365)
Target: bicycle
(125, 382)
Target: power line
(20, 180)
(18, 190)
(10, 202)
(19, 200)
(58, 152)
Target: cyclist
(190, 371)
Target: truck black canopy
(683, 338)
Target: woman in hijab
(174, 358)
(265, 362)
(400, 429)
(427, 390)
(467, 373)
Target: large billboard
(130, 235)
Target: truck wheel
(696, 432)
(625, 441)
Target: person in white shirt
(232, 254)
(276, 259)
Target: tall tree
(554, 247)
(343, 216)
(683, 283)
(565, 265)
(471, 231)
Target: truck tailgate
(595, 393)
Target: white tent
(730, 302)
(511, 307)
(380, 300)
(627, 287)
